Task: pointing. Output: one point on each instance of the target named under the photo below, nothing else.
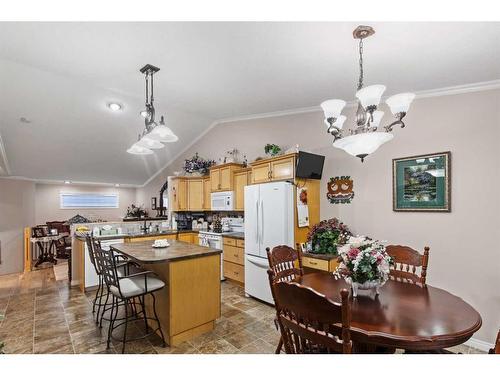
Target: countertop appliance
(213, 240)
(268, 223)
(222, 201)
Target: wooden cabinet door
(207, 203)
(173, 195)
(195, 194)
(214, 179)
(186, 237)
(283, 169)
(182, 195)
(260, 173)
(240, 181)
(225, 182)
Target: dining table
(402, 316)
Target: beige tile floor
(39, 314)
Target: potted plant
(327, 235)
(272, 149)
(364, 264)
(197, 165)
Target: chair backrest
(406, 262)
(496, 349)
(91, 243)
(311, 323)
(282, 262)
(105, 262)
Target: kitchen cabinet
(274, 169)
(221, 176)
(195, 194)
(241, 179)
(178, 194)
(234, 259)
(151, 238)
(188, 237)
(207, 203)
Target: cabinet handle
(236, 273)
(313, 263)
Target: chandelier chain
(361, 73)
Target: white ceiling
(61, 76)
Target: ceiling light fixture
(154, 133)
(67, 182)
(117, 185)
(365, 139)
(114, 106)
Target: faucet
(144, 229)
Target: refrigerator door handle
(262, 221)
(257, 222)
(263, 263)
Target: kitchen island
(190, 302)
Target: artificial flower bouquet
(327, 235)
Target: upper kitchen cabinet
(241, 179)
(178, 194)
(195, 194)
(274, 169)
(221, 176)
(207, 204)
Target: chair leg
(96, 294)
(125, 329)
(280, 345)
(111, 321)
(158, 320)
(101, 293)
(143, 307)
(104, 307)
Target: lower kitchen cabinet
(188, 237)
(234, 259)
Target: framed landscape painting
(422, 183)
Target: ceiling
(61, 76)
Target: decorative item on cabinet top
(340, 189)
(197, 166)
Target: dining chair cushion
(134, 286)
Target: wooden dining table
(403, 315)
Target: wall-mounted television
(309, 166)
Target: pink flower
(353, 253)
(380, 258)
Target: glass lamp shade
(363, 144)
(400, 102)
(139, 150)
(333, 107)
(339, 122)
(377, 117)
(163, 133)
(150, 143)
(370, 95)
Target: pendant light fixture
(365, 138)
(154, 134)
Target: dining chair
(125, 290)
(496, 349)
(406, 262)
(311, 323)
(282, 261)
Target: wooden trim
(274, 158)
(27, 249)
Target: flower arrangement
(364, 263)
(272, 149)
(327, 235)
(136, 211)
(197, 164)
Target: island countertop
(143, 251)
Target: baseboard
(479, 344)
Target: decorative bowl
(367, 285)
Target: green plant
(327, 235)
(136, 211)
(272, 149)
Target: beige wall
(465, 256)
(47, 206)
(17, 210)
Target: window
(89, 200)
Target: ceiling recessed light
(114, 106)
(67, 182)
(117, 185)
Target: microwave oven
(222, 201)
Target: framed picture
(153, 203)
(422, 183)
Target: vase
(367, 285)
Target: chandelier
(365, 138)
(154, 134)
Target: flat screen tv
(309, 166)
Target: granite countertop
(143, 251)
(238, 235)
(138, 235)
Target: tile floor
(39, 314)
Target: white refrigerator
(268, 223)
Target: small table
(46, 248)
(403, 316)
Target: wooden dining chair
(282, 264)
(406, 262)
(311, 323)
(496, 349)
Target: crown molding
(73, 183)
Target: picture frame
(422, 183)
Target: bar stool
(124, 290)
(124, 266)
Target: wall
(47, 205)
(465, 257)
(16, 212)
